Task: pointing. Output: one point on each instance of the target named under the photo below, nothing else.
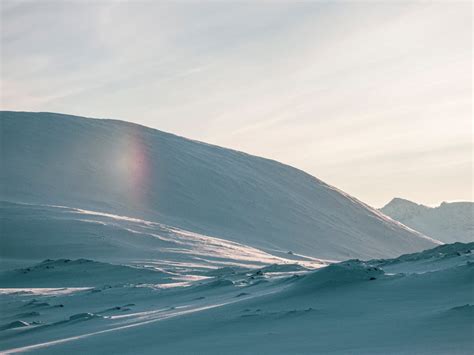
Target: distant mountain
(126, 169)
(449, 222)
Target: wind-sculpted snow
(32, 233)
(353, 306)
(448, 255)
(78, 273)
(119, 168)
(342, 273)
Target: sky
(372, 97)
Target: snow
(350, 307)
(123, 169)
(449, 222)
(448, 255)
(116, 238)
(32, 233)
(78, 273)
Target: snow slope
(32, 233)
(78, 273)
(129, 170)
(449, 222)
(351, 307)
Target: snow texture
(349, 307)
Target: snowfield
(120, 239)
(348, 307)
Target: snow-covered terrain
(130, 170)
(117, 238)
(449, 222)
(31, 233)
(374, 307)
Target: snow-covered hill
(125, 169)
(449, 222)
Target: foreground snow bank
(350, 307)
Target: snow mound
(440, 252)
(221, 282)
(15, 324)
(466, 308)
(283, 268)
(441, 257)
(350, 271)
(83, 316)
(459, 315)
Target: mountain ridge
(449, 222)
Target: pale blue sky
(372, 97)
